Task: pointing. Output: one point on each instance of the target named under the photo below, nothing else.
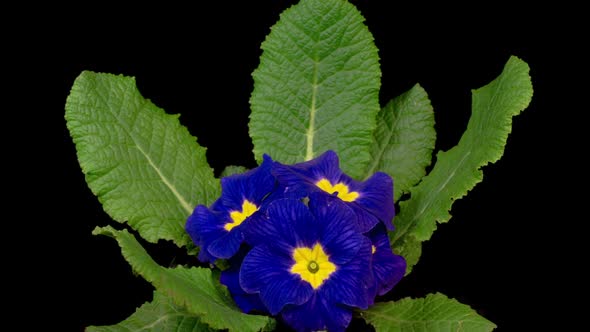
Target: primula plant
(316, 234)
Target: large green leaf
(435, 313)
(159, 315)
(143, 165)
(317, 86)
(459, 169)
(195, 289)
(404, 139)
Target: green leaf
(458, 170)
(404, 139)
(143, 165)
(435, 313)
(195, 289)
(317, 86)
(232, 170)
(159, 315)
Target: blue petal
(278, 192)
(296, 185)
(287, 223)
(317, 314)
(376, 196)
(301, 178)
(350, 283)
(366, 220)
(246, 302)
(388, 268)
(205, 256)
(337, 227)
(228, 244)
(266, 270)
(191, 224)
(253, 185)
(325, 165)
(204, 227)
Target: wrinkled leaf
(458, 170)
(317, 86)
(143, 165)
(195, 289)
(404, 139)
(161, 314)
(434, 313)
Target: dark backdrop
(198, 62)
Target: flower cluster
(305, 242)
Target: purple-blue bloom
(303, 242)
(371, 200)
(219, 230)
(388, 268)
(309, 262)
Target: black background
(498, 253)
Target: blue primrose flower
(388, 268)
(309, 263)
(219, 230)
(371, 200)
(304, 242)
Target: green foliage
(159, 315)
(145, 168)
(317, 86)
(316, 89)
(458, 170)
(195, 289)
(232, 170)
(404, 139)
(434, 313)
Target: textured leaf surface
(459, 169)
(317, 86)
(145, 168)
(159, 315)
(404, 139)
(232, 170)
(195, 289)
(435, 313)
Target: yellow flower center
(373, 249)
(238, 217)
(312, 265)
(340, 188)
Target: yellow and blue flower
(219, 230)
(371, 200)
(303, 242)
(309, 263)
